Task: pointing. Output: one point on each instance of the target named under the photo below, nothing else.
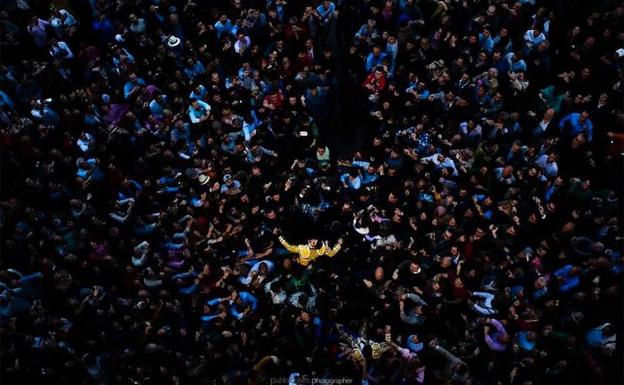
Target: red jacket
(378, 85)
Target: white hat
(362, 230)
(173, 41)
(620, 52)
(119, 38)
(203, 179)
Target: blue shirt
(367, 178)
(235, 185)
(156, 108)
(130, 85)
(200, 95)
(223, 28)
(247, 299)
(594, 338)
(413, 346)
(486, 43)
(6, 100)
(181, 134)
(196, 69)
(354, 184)
(195, 114)
(570, 282)
(524, 342)
(519, 65)
(575, 126)
(507, 48)
(257, 157)
(325, 13)
(212, 303)
(373, 61)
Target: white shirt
(475, 131)
(544, 124)
(238, 44)
(84, 143)
(532, 40)
(276, 297)
(62, 46)
(256, 267)
(550, 169)
(448, 162)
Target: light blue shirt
(550, 169)
(533, 41)
(223, 28)
(518, 66)
(129, 86)
(247, 299)
(195, 114)
(486, 43)
(325, 13)
(354, 184)
(373, 61)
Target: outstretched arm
(446, 354)
(288, 246)
(416, 298)
(335, 249)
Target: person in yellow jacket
(308, 252)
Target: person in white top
(543, 125)
(242, 43)
(440, 161)
(259, 271)
(60, 50)
(533, 38)
(548, 164)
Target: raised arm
(416, 298)
(498, 325)
(333, 251)
(446, 354)
(288, 246)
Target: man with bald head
(545, 124)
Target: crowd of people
(379, 192)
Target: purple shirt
(39, 33)
(492, 338)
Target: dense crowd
(390, 192)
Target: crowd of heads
(243, 191)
